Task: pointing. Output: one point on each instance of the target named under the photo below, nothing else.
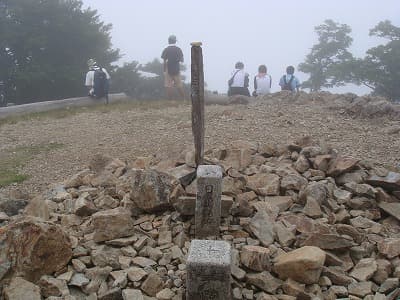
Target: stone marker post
(208, 201)
(197, 95)
(209, 270)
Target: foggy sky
(274, 33)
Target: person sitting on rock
(289, 82)
(239, 82)
(262, 82)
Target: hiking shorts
(172, 80)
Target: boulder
(20, 289)
(262, 227)
(31, 248)
(151, 190)
(264, 184)
(255, 258)
(303, 265)
(112, 224)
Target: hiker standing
(97, 79)
(262, 82)
(239, 81)
(289, 82)
(173, 56)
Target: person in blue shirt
(289, 82)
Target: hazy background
(275, 33)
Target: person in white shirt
(239, 82)
(262, 82)
(97, 80)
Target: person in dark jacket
(173, 56)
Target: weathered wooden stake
(197, 95)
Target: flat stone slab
(209, 270)
(390, 182)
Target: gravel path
(167, 131)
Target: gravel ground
(167, 131)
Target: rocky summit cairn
(302, 221)
(208, 201)
(209, 270)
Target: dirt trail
(133, 133)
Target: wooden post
(197, 96)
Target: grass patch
(13, 159)
(103, 108)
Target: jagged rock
(261, 226)
(238, 159)
(321, 162)
(152, 285)
(360, 289)
(184, 174)
(302, 164)
(113, 294)
(389, 247)
(165, 294)
(136, 274)
(111, 224)
(341, 165)
(314, 196)
(264, 281)
(255, 258)
(20, 289)
(53, 287)
(79, 280)
(264, 184)
(383, 271)
(38, 207)
(285, 236)
(337, 275)
(392, 209)
(282, 202)
(84, 206)
(365, 269)
(11, 207)
(31, 247)
(232, 186)
(237, 272)
(390, 182)
(293, 182)
(389, 285)
(106, 256)
(97, 277)
(363, 190)
(303, 265)
(328, 241)
(130, 294)
(150, 190)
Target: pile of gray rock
(364, 106)
(304, 222)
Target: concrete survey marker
(209, 270)
(208, 201)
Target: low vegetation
(11, 161)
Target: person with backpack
(289, 82)
(262, 82)
(239, 81)
(172, 57)
(97, 79)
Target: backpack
(100, 83)
(287, 86)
